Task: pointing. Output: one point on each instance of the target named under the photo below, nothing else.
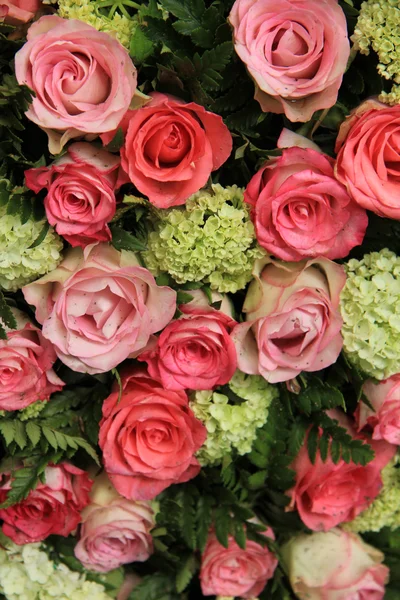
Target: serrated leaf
(312, 443)
(33, 432)
(222, 525)
(183, 297)
(20, 435)
(257, 480)
(239, 534)
(123, 240)
(50, 437)
(296, 437)
(117, 142)
(24, 480)
(140, 46)
(7, 430)
(6, 317)
(186, 573)
(39, 239)
(203, 520)
(324, 446)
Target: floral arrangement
(199, 299)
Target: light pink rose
(385, 419)
(26, 366)
(233, 571)
(300, 210)
(114, 531)
(295, 50)
(293, 320)
(19, 11)
(83, 79)
(337, 565)
(172, 147)
(196, 351)
(52, 508)
(148, 437)
(368, 160)
(99, 307)
(81, 189)
(326, 494)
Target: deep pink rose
(326, 494)
(368, 160)
(99, 307)
(26, 366)
(196, 351)
(149, 437)
(295, 50)
(114, 531)
(81, 193)
(233, 571)
(83, 79)
(336, 565)
(385, 399)
(293, 320)
(172, 147)
(17, 12)
(52, 508)
(300, 210)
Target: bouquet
(199, 299)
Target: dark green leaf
(41, 236)
(140, 46)
(123, 240)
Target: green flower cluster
(20, 264)
(232, 426)
(32, 411)
(385, 509)
(370, 307)
(378, 26)
(212, 240)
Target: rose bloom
(114, 531)
(337, 565)
(17, 12)
(148, 437)
(83, 79)
(385, 418)
(300, 210)
(81, 189)
(99, 307)
(295, 50)
(26, 366)
(196, 351)
(368, 148)
(172, 147)
(233, 571)
(292, 319)
(52, 508)
(326, 494)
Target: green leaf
(186, 573)
(257, 480)
(203, 520)
(41, 236)
(183, 297)
(33, 432)
(211, 63)
(187, 516)
(140, 46)
(312, 443)
(7, 430)
(117, 142)
(296, 437)
(6, 317)
(222, 525)
(123, 240)
(239, 533)
(20, 434)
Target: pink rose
(172, 147)
(385, 399)
(149, 437)
(196, 351)
(81, 189)
(233, 571)
(337, 565)
(326, 494)
(292, 319)
(99, 307)
(53, 507)
(83, 79)
(114, 531)
(19, 11)
(368, 158)
(300, 210)
(295, 50)
(26, 361)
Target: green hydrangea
(32, 411)
(378, 27)
(212, 240)
(20, 264)
(370, 307)
(385, 509)
(232, 426)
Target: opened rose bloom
(171, 148)
(148, 437)
(83, 79)
(19, 11)
(53, 507)
(99, 307)
(234, 571)
(337, 565)
(384, 419)
(295, 50)
(368, 158)
(114, 531)
(292, 319)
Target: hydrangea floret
(19, 263)
(232, 426)
(212, 239)
(370, 307)
(32, 411)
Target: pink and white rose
(99, 307)
(384, 420)
(295, 50)
(293, 320)
(17, 12)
